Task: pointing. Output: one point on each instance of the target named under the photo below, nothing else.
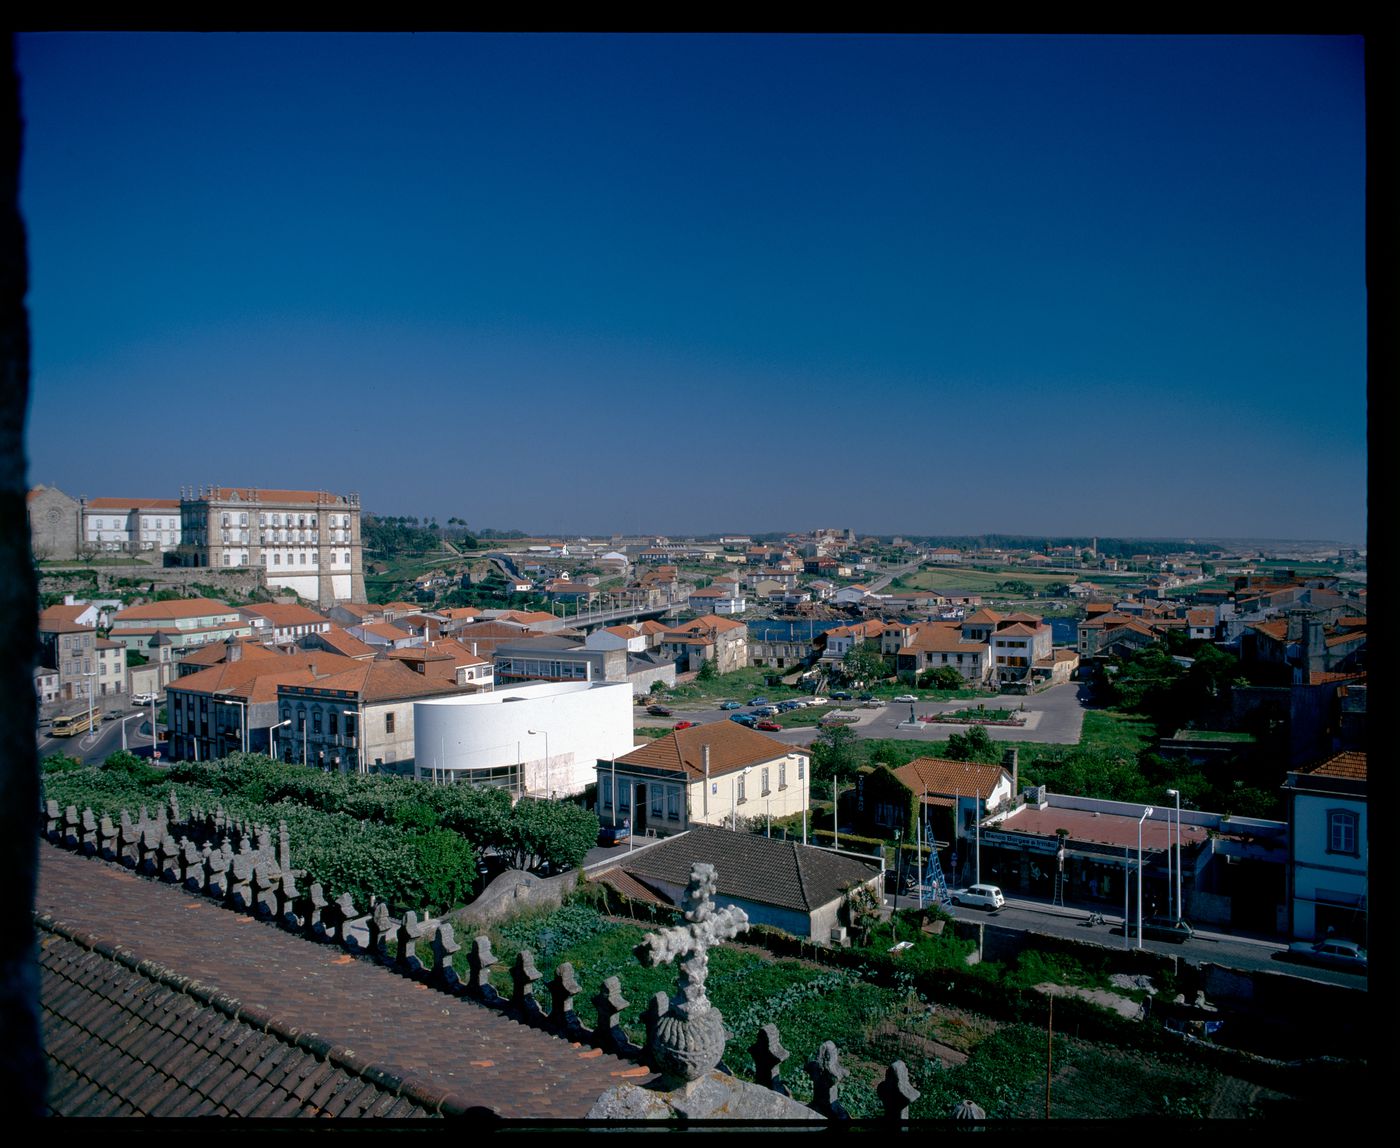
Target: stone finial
(610, 1035)
(563, 988)
(284, 848)
(267, 881)
(381, 927)
(313, 912)
(53, 820)
(216, 864)
(128, 841)
(768, 1055)
(689, 1039)
(107, 839)
(72, 835)
(481, 960)
(174, 808)
(896, 1091)
(444, 945)
(240, 886)
(967, 1110)
(524, 974)
(191, 866)
(88, 833)
(287, 896)
(169, 859)
(410, 932)
(827, 1073)
(657, 1007)
(345, 915)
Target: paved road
(1056, 716)
(93, 748)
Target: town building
(709, 774)
(282, 623)
(55, 523)
(540, 738)
(1328, 848)
(130, 525)
(305, 541)
(184, 623)
(708, 638)
(780, 883)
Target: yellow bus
(70, 725)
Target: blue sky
(945, 284)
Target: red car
(683, 725)
(768, 726)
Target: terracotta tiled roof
(379, 681)
(1277, 630)
(524, 617)
(110, 504)
(1351, 636)
(346, 1035)
(629, 887)
(343, 642)
(54, 615)
(732, 747)
(1016, 630)
(936, 775)
(984, 617)
(1349, 764)
(1323, 677)
(257, 679)
(284, 614)
(1200, 617)
(942, 637)
(172, 610)
(216, 652)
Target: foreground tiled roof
(787, 874)
(368, 1031)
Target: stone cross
(897, 1092)
(689, 1040)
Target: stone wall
(240, 583)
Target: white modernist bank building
(540, 738)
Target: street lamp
(242, 720)
(89, 674)
(545, 734)
(1146, 813)
(1176, 793)
(272, 736)
(359, 740)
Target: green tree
(835, 753)
(708, 671)
(60, 763)
(443, 870)
(137, 768)
(974, 745)
(549, 833)
(864, 663)
(941, 678)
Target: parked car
(867, 697)
(1163, 929)
(760, 701)
(842, 695)
(979, 897)
(765, 711)
(1334, 954)
(907, 698)
(142, 699)
(731, 705)
(818, 701)
(614, 834)
(744, 719)
(872, 703)
(683, 725)
(768, 725)
(660, 711)
(788, 706)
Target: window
(801, 762)
(673, 803)
(739, 782)
(1341, 831)
(656, 796)
(389, 723)
(782, 774)
(605, 792)
(766, 790)
(624, 796)
(334, 723)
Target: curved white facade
(479, 738)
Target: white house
(539, 738)
(1327, 848)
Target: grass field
(980, 581)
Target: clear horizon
(699, 284)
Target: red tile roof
(1349, 764)
(732, 747)
(945, 778)
(170, 611)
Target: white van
(142, 699)
(979, 896)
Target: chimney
(1297, 620)
(233, 650)
(1009, 761)
(705, 753)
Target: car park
(1330, 953)
(1163, 929)
(731, 705)
(768, 725)
(907, 698)
(660, 711)
(744, 719)
(987, 897)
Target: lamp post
(545, 734)
(124, 720)
(89, 674)
(1146, 813)
(806, 793)
(242, 720)
(359, 740)
(1176, 793)
(272, 736)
